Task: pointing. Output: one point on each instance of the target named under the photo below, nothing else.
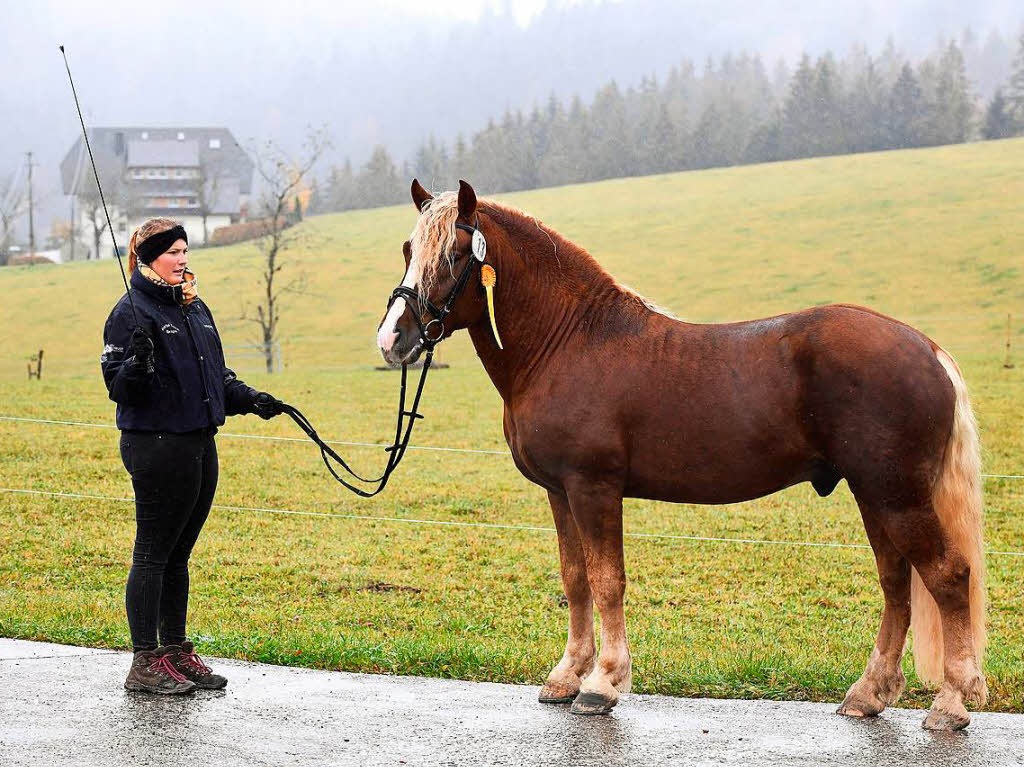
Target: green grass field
(934, 237)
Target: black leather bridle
(406, 418)
(415, 298)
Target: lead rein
(396, 451)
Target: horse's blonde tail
(956, 498)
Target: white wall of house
(192, 222)
(124, 226)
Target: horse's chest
(526, 440)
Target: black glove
(265, 406)
(142, 349)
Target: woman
(172, 389)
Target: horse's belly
(687, 490)
(722, 472)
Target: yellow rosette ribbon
(489, 278)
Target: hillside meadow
(934, 237)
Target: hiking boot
(191, 666)
(153, 671)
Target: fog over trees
(732, 112)
(397, 73)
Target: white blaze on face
(388, 332)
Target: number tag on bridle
(479, 246)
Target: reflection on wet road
(65, 706)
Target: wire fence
(426, 522)
(486, 525)
(258, 353)
(474, 451)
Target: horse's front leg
(563, 683)
(597, 511)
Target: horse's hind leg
(883, 682)
(563, 683)
(597, 511)
(945, 570)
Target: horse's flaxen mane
(525, 224)
(435, 235)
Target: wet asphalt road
(65, 706)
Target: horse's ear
(467, 200)
(420, 196)
(407, 252)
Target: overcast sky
(395, 71)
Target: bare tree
(92, 206)
(282, 177)
(13, 204)
(60, 233)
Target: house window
(215, 143)
(172, 202)
(145, 135)
(181, 135)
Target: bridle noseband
(411, 295)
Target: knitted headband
(157, 244)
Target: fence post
(38, 373)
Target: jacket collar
(165, 294)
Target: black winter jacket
(189, 387)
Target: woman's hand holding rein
(265, 406)
(142, 349)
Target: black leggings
(175, 477)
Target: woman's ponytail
(133, 256)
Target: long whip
(95, 173)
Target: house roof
(114, 150)
(163, 154)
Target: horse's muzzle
(405, 349)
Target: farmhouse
(199, 176)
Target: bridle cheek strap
(438, 315)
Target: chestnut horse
(607, 397)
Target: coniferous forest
(731, 111)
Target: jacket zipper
(199, 358)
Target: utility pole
(31, 215)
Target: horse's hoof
(946, 721)
(592, 704)
(947, 711)
(859, 707)
(853, 711)
(557, 694)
